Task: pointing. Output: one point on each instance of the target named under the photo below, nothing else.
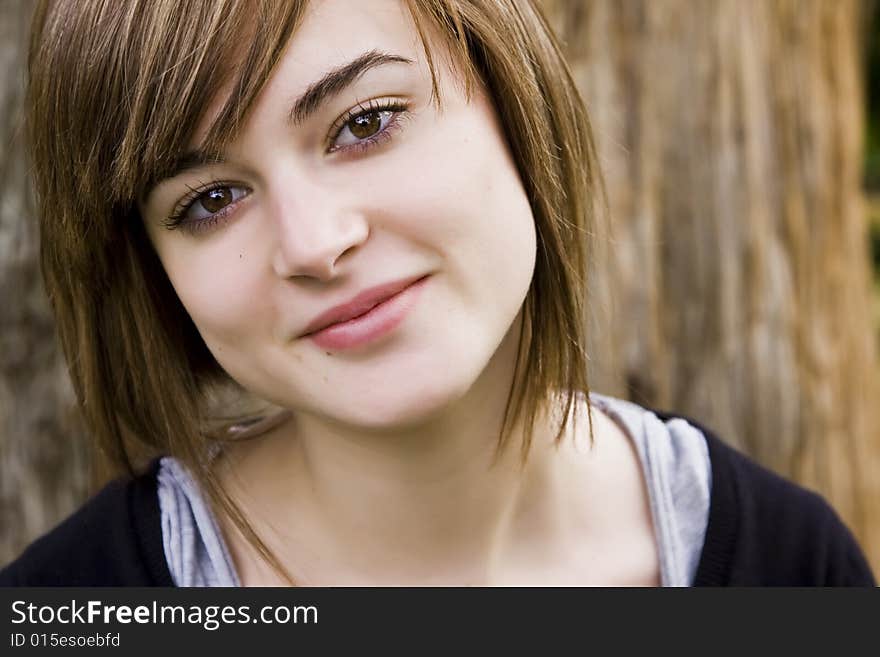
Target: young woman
(328, 260)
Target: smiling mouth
(359, 305)
(375, 320)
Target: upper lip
(359, 305)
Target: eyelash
(178, 219)
(398, 110)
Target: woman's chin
(397, 410)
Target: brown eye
(216, 199)
(365, 125)
(211, 203)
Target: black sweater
(762, 531)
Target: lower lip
(369, 327)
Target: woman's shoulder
(114, 539)
(676, 475)
(766, 530)
(759, 528)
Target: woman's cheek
(219, 286)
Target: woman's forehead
(207, 100)
(334, 37)
(330, 26)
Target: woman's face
(335, 196)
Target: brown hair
(115, 92)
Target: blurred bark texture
(44, 464)
(736, 280)
(730, 133)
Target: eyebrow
(316, 94)
(334, 82)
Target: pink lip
(368, 316)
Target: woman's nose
(316, 230)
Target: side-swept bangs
(116, 90)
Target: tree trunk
(730, 134)
(44, 469)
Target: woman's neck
(428, 504)
(367, 515)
